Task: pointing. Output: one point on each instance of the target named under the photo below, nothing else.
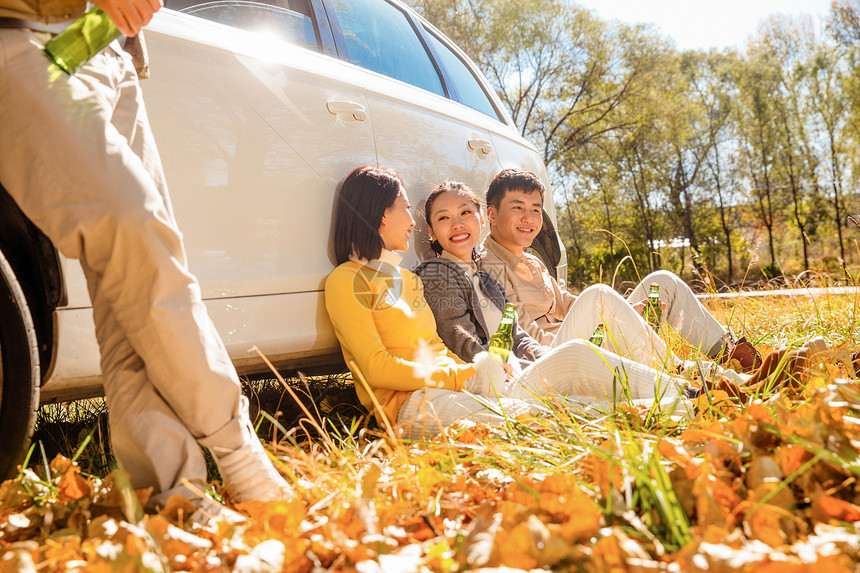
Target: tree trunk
(724, 223)
(837, 185)
(797, 201)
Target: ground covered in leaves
(765, 487)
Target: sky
(703, 24)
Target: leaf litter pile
(769, 486)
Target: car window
(468, 90)
(279, 18)
(379, 37)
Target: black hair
(364, 197)
(512, 179)
(453, 187)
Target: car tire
(19, 372)
(545, 246)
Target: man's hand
(640, 306)
(129, 15)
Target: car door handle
(480, 146)
(356, 110)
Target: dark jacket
(459, 319)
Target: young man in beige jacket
(552, 316)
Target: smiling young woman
(466, 302)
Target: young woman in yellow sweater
(403, 371)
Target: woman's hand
(129, 15)
(509, 372)
(491, 375)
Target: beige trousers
(78, 156)
(627, 333)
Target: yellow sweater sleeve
(351, 312)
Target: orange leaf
(825, 506)
(177, 509)
(791, 457)
(515, 547)
(276, 515)
(823, 565)
(765, 525)
(72, 486)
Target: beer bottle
(652, 312)
(502, 341)
(598, 336)
(83, 39)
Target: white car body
(255, 135)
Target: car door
(418, 130)
(255, 134)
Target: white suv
(260, 109)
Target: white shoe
(249, 474)
(197, 508)
(207, 510)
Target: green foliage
(740, 157)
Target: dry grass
(739, 487)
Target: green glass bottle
(599, 335)
(502, 341)
(83, 39)
(652, 313)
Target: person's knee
(595, 290)
(578, 349)
(603, 298)
(666, 280)
(660, 276)
(597, 294)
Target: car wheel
(545, 246)
(19, 372)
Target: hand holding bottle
(639, 307)
(129, 16)
(90, 34)
(490, 376)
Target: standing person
(404, 373)
(78, 156)
(549, 313)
